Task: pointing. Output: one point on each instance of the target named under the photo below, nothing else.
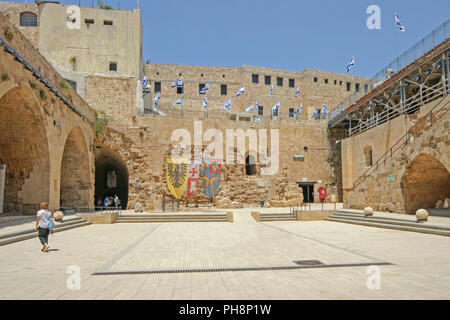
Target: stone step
(278, 219)
(353, 215)
(195, 216)
(163, 220)
(57, 226)
(34, 234)
(392, 226)
(392, 221)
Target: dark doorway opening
(308, 191)
(111, 177)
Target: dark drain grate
(309, 263)
(237, 269)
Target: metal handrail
(399, 63)
(101, 209)
(397, 145)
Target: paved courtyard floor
(419, 263)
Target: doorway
(308, 191)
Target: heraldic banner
(194, 175)
(211, 172)
(177, 170)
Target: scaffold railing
(421, 48)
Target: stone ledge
(99, 218)
(314, 215)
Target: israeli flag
(297, 94)
(300, 110)
(271, 90)
(227, 105)
(205, 104)
(157, 100)
(241, 91)
(276, 107)
(250, 109)
(350, 64)
(398, 23)
(325, 110)
(204, 89)
(178, 84)
(316, 114)
(179, 101)
(144, 82)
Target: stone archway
(111, 176)
(24, 151)
(75, 188)
(424, 183)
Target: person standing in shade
(116, 201)
(42, 225)
(106, 202)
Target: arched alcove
(111, 176)
(24, 151)
(424, 183)
(76, 186)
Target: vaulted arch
(75, 190)
(424, 183)
(24, 151)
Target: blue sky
(284, 34)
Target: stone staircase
(163, 218)
(358, 217)
(277, 217)
(70, 223)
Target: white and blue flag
(178, 84)
(276, 107)
(300, 110)
(325, 110)
(204, 89)
(157, 100)
(241, 91)
(205, 104)
(315, 114)
(350, 64)
(398, 23)
(250, 109)
(271, 90)
(297, 94)
(145, 82)
(227, 105)
(179, 101)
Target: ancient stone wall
(416, 176)
(35, 125)
(145, 147)
(12, 11)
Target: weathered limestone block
(138, 208)
(390, 207)
(422, 215)
(58, 216)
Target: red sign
(322, 193)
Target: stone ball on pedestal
(58, 216)
(422, 215)
(368, 211)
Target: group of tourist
(110, 202)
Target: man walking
(42, 225)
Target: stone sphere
(422, 215)
(368, 211)
(58, 216)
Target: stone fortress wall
(137, 141)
